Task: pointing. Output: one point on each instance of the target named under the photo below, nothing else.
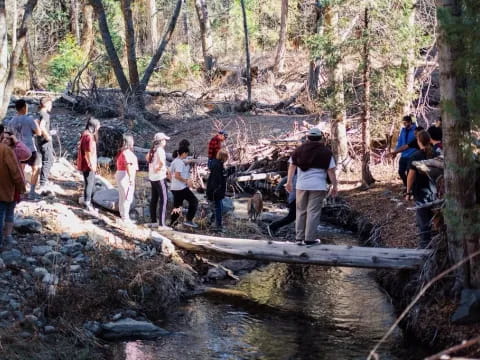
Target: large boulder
(107, 199)
(130, 329)
(26, 226)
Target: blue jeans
(6, 214)
(218, 212)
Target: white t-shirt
(313, 179)
(158, 157)
(179, 166)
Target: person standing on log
(215, 144)
(157, 174)
(127, 167)
(180, 187)
(217, 186)
(87, 161)
(407, 135)
(24, 127)
(44, 142)
(313, 162)
(11, 183)
(419, 186)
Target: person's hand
(409, 197)
(189, 183)
(334, 191)
(289, 186)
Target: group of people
(416, 144)
(24, 140)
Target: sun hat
(160, 136)
(315, 132)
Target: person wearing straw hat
(157, 174)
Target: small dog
(255, 206)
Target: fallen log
(325, 255)
(271, 176)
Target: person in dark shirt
(419, 186)
(44, 142)
(217, 186)
(436, 136)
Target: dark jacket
(217, 181)
(312, 154)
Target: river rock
(131, 329)
(26, 226)
(216, 273)
(72, 249)
(228, 206)
(468, 311)
(40, 272)
(49, 329)
(163, 244)
(107, 199)
(239, 265)
(53, 257)
(11, 257)
(2, 264)
(93, 327)
(50, 279)
(41, 250)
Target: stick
(455, 348)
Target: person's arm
(399, 140)
(36, 128)
(291, 171)
(179, 177)
(412, 174)
(44, 131)
(333, 178)
(400, 149)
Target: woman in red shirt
(127, 166)
(87, 160)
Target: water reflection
(319, 313)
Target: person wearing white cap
(157, 174)
(313, 161)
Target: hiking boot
(313, 242)
(300, 242)
(190, 224)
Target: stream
(303, 313)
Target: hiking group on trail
(26, 140)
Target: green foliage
(65, 64)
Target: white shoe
(164, 228)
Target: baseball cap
(315, 132)
(160, 136)
(223, 132)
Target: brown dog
(255, 206)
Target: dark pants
(89, 178)
(292, 213)
(402, 169)
(6, 215)
(424, 222)
(46, 153)
(158, 202)
(218, 212)
(178, 197)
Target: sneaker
(91, 210)
(152, 225)
(128, 222)
(164, 228)
(300, 242)
(271, 233)
(313, 242)
(190, 224)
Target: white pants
(125, 193)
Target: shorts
(32, 160)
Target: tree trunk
(206, 37)
(153, 22)
(3, 49)
(247, 53)
(87, 29)
(280, 56)
(14, 23)
(32, 72)
(316, 27)
(367, 178)
(161, 48)
(109, 47)
(9, 81)
(461, 216)
(410, 72)
(75, 18)
(339, 131)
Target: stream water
(296, 312)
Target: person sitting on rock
(11, 183)
(215, 144)
(312, 161)
(180, 187)
(217, 186)
(127, 167)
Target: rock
(163, 244)
(52, 290)
(107, 199)
(72, 249)
(75, 268)
(468, 311)
(117, 316)
(39, 272)
(27, 226)
(31, 260)
(228, 206)
(2, 264)
(11, 257)
(121, 253)
(4, 314)
(52, 243)
(15, 305)
(239, 265)
(65, 237)
(53, 257)
(131, 329)
(25, 334)
(50, 279)
(216, 273)
(93, 327)
(49, 329)
(83, 239)
(41, 250)
(130, 313)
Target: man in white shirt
(312, 161)
(180, 187)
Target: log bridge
(278, 251)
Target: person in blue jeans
(407, 135)
(217, 185)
